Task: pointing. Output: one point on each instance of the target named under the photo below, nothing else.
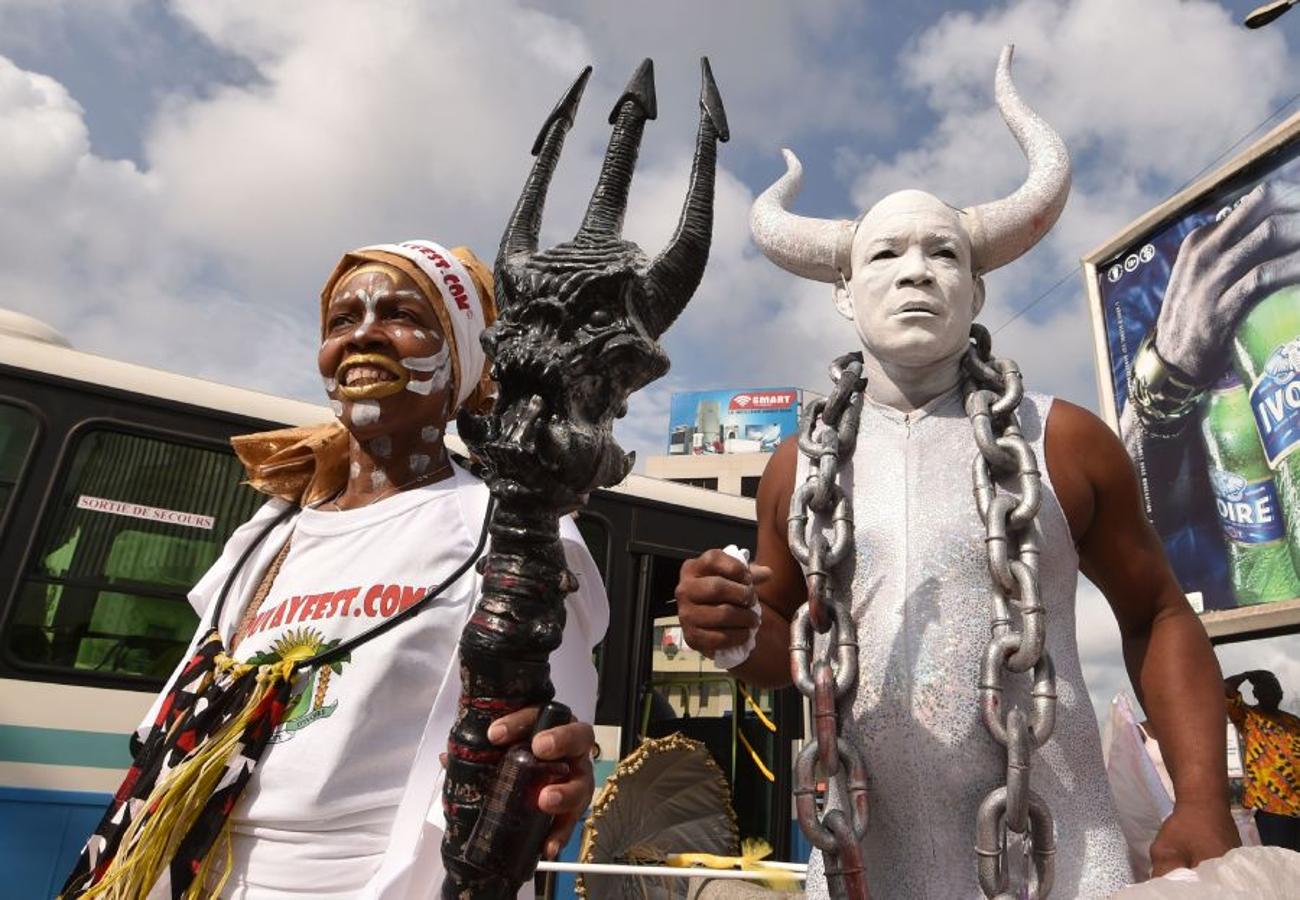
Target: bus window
(17, 430)
(134, 523)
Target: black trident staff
(576, 335)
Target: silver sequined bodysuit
(920, 596)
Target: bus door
(747, 730)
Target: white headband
(460, 296)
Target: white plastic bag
(1246, 873)
(1141, 799)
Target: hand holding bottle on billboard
(1223, 269)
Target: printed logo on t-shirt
(378, 601)
(298, 641)
(307, 703)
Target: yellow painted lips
(375, 389)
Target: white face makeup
(436, 367)
(367, 297)
(912, 295)
(388, 370)
(364, 412)
(378, 297)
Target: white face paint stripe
(439, 365)
(365, 412)
(370, 295)
(432, 363)
(337, 406)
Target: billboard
(732, 421)
(1196, 315)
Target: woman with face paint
(333, 786)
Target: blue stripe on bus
(64, 747)
(41, 833)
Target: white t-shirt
(318, 811)
(341, 804)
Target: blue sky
(179, 177)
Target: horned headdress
(1000, 231)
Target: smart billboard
(751, 420)
(1196, 319)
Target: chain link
(828, 433)
(1011, 815)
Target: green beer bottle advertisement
(1266, 352)
(1246, 497)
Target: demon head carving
(578, 323)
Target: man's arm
(715, 591)
(1166, 651)
(1232, 684)
(1232, 693)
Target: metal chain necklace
(1011, 816)
(828, 434)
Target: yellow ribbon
(753, 754)
(752, 853)
(758, 710)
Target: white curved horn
(812, 248)
(1004, 229)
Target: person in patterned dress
(1270, 740)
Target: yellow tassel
(752, 852)
(150, 841)
(197, 889)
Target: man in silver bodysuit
(917, 579)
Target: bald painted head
(911, 291)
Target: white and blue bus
(118, 489)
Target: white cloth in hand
(730, 657)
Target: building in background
(721, 439)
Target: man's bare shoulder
(1077, 438)
(777, 484)
(1077, 422)
(1085, 461)
(783, 461)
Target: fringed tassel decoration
(182, 830)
